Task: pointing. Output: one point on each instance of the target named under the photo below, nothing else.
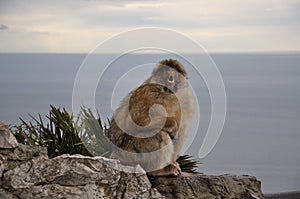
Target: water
(262, 130)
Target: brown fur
(141, 107)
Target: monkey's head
(170, 74)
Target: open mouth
(171, 79)
(171, 82)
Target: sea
(261, 133)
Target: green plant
(94, 134)
(59, 135)
(188, 164)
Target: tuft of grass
(59, 134)
(188, 164)
(62, 135)
(94, 134)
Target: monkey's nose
(171, 78)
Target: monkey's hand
(171, 127)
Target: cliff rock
(7, 140)
(27, 172)
(208, 186)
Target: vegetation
(94, 134)
(59, 135)
(62, 135)
(188, 164)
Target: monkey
(150, 125)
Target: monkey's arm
(145, 112)
(171, 127)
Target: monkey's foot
(172, 169)
(176, 168)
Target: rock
(1, 165)
(208, 186)
(5, 195)
(11, 158)
(72, 176)
(27, 172)
(7, 140)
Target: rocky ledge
(27, 172)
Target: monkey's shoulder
(147, 92)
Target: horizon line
(213, 52)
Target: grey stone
(7, 140)
(1, 165)
(27, 172)
(76, 176)
(12, 158)
(5, 194)
(208, 186)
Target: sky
(78, 26)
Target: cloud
(3, 27)
(91, 21)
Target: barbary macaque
(150, 125)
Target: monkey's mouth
(171, 82)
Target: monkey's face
(170, 78)
(170, 74)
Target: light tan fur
(137, 129)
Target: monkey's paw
(175, 169)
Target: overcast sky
(77, 26)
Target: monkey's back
(140, 101)
(148, 95)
